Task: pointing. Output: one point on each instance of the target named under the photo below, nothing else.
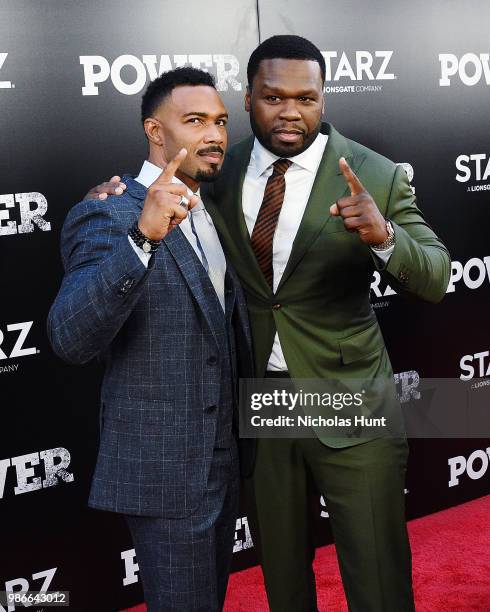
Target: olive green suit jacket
(321, 309)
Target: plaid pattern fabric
(168, 389)
(184, 564)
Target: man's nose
(214, 134)
(289, 111)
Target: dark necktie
(265, 225)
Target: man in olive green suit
(305, 216)
(314, 320)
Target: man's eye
(305, 99)
(272, 98)
(221, 122)
(194, 120)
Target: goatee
(282, 150)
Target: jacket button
(403, 277)
(212, 360)
(276, 306)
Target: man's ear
(153, 131)
(247, 99)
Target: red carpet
(451, 567)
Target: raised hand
(163, 210)
(359, 210)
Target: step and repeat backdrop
(410, 80)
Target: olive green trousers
(363, 488)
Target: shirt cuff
(384, 256)
(144, 257)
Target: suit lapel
(236, 310)
(230, 221)
(329, 186)
(196, 278)
(190, 267)
(234, 298)
(230, 293)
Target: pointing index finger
(355, 185)
(173, 165)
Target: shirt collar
(309, 160)
(150, 172)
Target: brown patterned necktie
(265, 225)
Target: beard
(208, 176)
(283, 149)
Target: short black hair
(163, 86)
(284, 46)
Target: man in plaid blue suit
(148, 290)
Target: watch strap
(389, 242)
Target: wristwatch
(389, 242)
(141, 241)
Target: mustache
(213, 149)
(288, 128)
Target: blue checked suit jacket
(161, 333)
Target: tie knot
(198, 207)
(281, 165)
(194, 213)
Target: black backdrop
(410, 80)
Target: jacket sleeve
(420, 264)
(103, 280)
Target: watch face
(146, 247)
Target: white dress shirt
(299, 182)
(208, 237)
